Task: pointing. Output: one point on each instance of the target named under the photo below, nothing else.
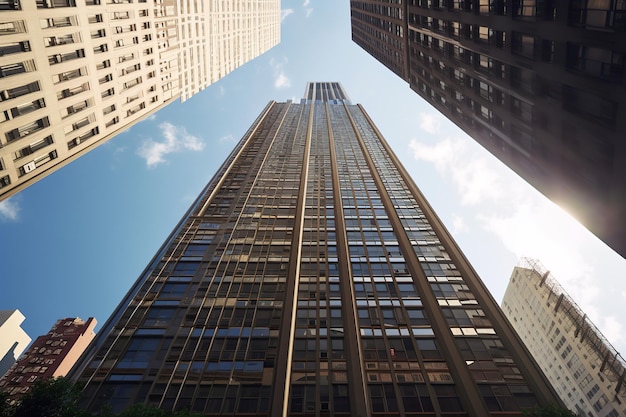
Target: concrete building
(311, 278)
(73, 73)
(586, 371)
(13, 339)
(51, 355)
(540, 84)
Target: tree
(50, 398)
(58, 397)
(5, 408)
(550, 410)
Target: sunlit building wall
(311, 278)
(538, 83)
(73, 73)
(586, 371)
(13, 339)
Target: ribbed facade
(73, 73)
(586, 371)
(311, 278)
(539, 83)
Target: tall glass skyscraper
(312, 278)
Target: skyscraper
(311, 277)
(74, 73)
(540, 84)
(582, 365)
(50, 356)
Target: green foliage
(50, 398)
(59, 397)
(5, 409)
(550, 410)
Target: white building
(73, 73)
(586, 371)
(13, 339)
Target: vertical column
(282, 376)
(358, 401)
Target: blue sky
(73, 243)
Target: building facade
(583, 367)
(74, 73)
(51, 355)
(539, 83)
(13, 339)
(311, 278)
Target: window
(522, 110)
(598, 14)
(5, 181)
(19, 91)
(526, 9)
(27, 107)
(596, 62)
(589, 105)
(27, 129)
(522, 44)
(68, 75)
(158, 317)
(139, 353)
(7, 28)
(173, 290)
(16, 68)
(14, 48)
(33, 147)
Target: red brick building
(51, 355)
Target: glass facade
(311, 278)
(540, 84)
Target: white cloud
(176, 139)
(221, 91)
(612, 329)
(429, 122)
(284, 13)
(507, 208)
(309, 11)
(9, 210)
(458, 224)
(306, 3)
(227, 138)
(281, 80)
(476, 181)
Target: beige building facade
(583, 367)
(73, 73)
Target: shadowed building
(74, 73)
(311, 278)
(50, 356)
(584, 369)
(539, 83)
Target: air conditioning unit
(29, 166)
